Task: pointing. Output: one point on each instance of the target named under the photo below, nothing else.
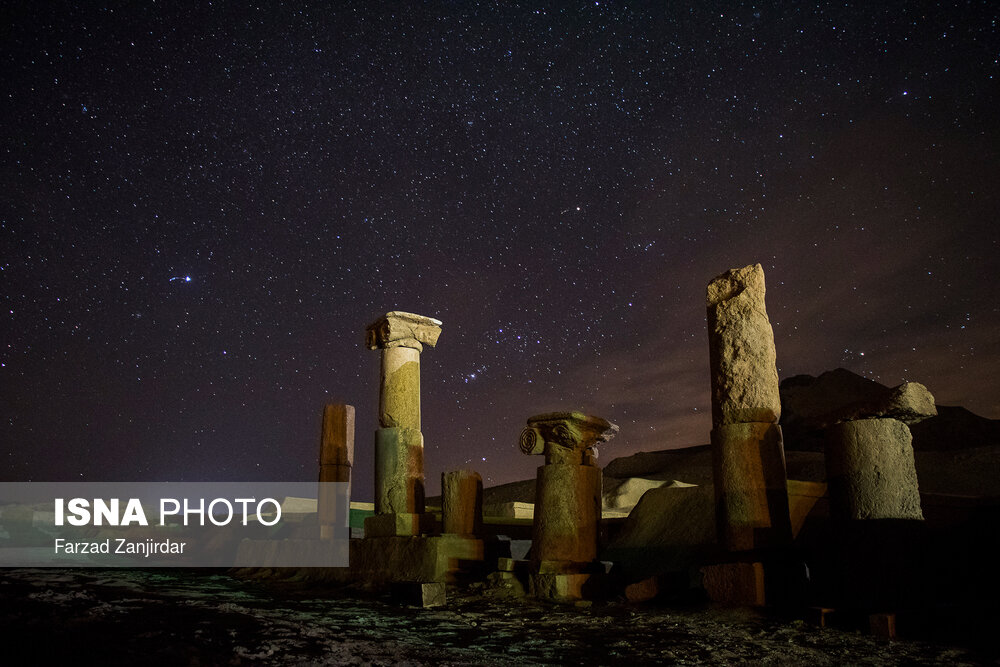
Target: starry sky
(204, 204)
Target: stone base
(398, 525)
(559, 587)
(419, 594)
(411, 559)
(739, 584)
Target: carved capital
(399, 329)
(566, 437)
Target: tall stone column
(336, 457)
(567, 500)
(399, 444)
(747, 450)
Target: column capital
(566, 437)
(399, 329)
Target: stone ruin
(399, 444)
(869, 453)
(401, 543)
(869, 462)
(747, 452)
(567, 501)
(336, 458)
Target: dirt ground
(208, 618)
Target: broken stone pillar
(399, 444)
(336, 457)
(462, 503)
(870, 470)
(747, 451)
(567, 499)
(750, 488)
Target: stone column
(567, 500)
(336, 457)
(868, 448)
(870, 470)
(747, 450)
(462, 503)
(399, 444)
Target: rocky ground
(204, 618)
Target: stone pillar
(399, 444)
(567, 500)
(751, 497)
(336, 457)
(462, 503)
(870, 470)
(747, 450)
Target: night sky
(204, 204)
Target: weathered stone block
(399, 471)
(387, 559)
(870, 470)
(741, 349)
(567, 512)
(669, 530)
(462, 502)
(740, 584)
(750, 487)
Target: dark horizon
(206, 206)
